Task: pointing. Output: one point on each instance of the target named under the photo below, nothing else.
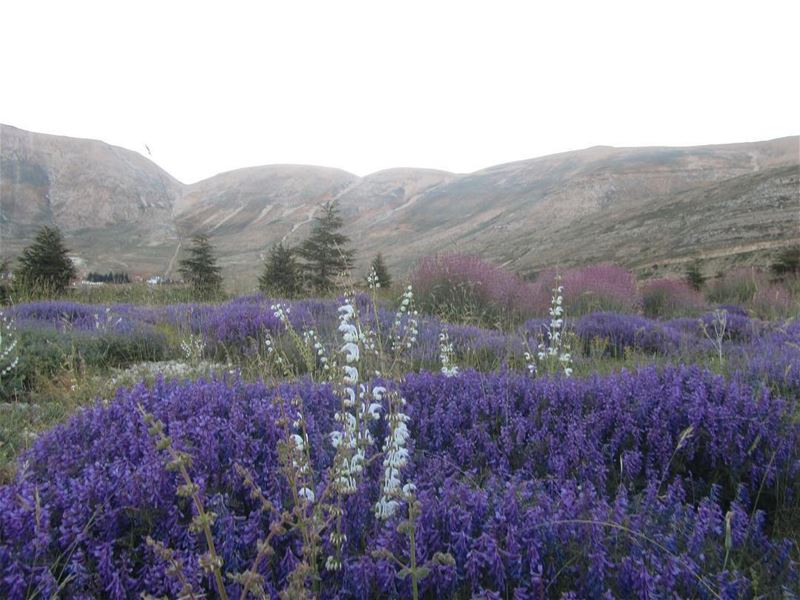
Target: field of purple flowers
(666, 465)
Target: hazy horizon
(365, 87)
(413, 167)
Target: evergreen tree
(5, 264)
(325, 252)
(281, 276)
(694, 276)
(200, 269)
(787, 262)
(45, 267)
(378, 266)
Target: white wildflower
(8, 346)
(446, 355)
(351, 351)
(306, 493)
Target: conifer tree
(378, 266)
(45, 267)
(325, 253)
(200, 269)
(281, 276)
(694, 276)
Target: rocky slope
(652, 209)
(113, 205)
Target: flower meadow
(536, 488)
(361, 448)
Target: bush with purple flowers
(627, 332)
(639, 484)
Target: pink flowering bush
(465, 288)
(775, 301)
(603, 287)
(670, 298)
(754, 289)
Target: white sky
(370, 85)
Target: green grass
(51, 402)
(118, 293)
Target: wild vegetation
(472, 434)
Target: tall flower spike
(8, 344)
(349, 456)
(372, 279)
(281, 312)
(446, 352)
(395, 458)
(553, 353)
(318, 350)
(404, 340)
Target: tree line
(316, 265)
(110, 277)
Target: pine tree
(45, 267)
(281, 276)
(325, 252)
(694, 276)
(378, 266)
(200, 269)
(787, 262)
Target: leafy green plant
(44, 353)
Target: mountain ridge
(120, 210)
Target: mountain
(113, 205)
(652, 209)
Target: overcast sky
(370, 85)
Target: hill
(651, 209)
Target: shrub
(752, 288)
(738, 327)
(774, 301)
(773, 359)
(694, 275)
(787, 263)
(45, 352)
(738, 286)
(627, 332)
(603, 287)
(466, 289)
(669, 298)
